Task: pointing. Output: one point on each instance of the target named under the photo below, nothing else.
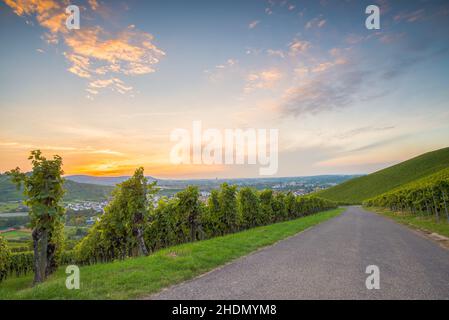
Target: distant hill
(362, 188)
(75, 191)
(104, 181)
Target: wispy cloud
(322, 94)
(317, 22)
(362, 130)
(277, 53)
(253, 24)
(413, 16)
(298, 46)
(92, 52)
(93, 4)
(218, 72)
(262, 80)
(85, 150)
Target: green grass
(16, 235)
(137, 277)
(355, 191)
(421, 222)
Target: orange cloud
(262, 80)
(49, 13)
(93, 4)
(297, 46)
(92, 52)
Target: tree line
(133, 225)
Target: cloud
(84, 150)
(302, 71)
(325, 66)
(322, 94)
(262, 80)
(297, 47)
(49, 13)
(402, 64)
(218, 72)
(92, 52)
(315, 22)
(391, 38)
(362, 130)
(93, 4)
(354, 38)
(130, 52)
(278, 53)
(253, 24)
(410, 16)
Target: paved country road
(329, 262)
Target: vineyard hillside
(355, 191)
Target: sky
(106, 97)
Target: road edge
(435, 237)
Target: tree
(134, 199)
(444, 187)
(290, 204)
(249, 207)
(266, 205)
(279, 207)
(228, 207)
(212, 224)
(120, 231)
(5, 259)
(43, 190)
(189, 210)
(160, 231)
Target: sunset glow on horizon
(106, 97)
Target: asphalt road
(329, 262)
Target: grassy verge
(17, 235)
(136, 277)
(425, 223)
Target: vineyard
(361, 189)
(428, 196)
(132, 226)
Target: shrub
(21, 263)
(185, 218)
(5, 259)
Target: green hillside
(362, 188)
(427, 180)
(75, 191)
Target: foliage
(21, 263)
(228, 208)
(43, 190)
(5, 258)
(120, 231)
(184, 218)
(141, 276)
(360, 189)
(427, 196)
(248, 204)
